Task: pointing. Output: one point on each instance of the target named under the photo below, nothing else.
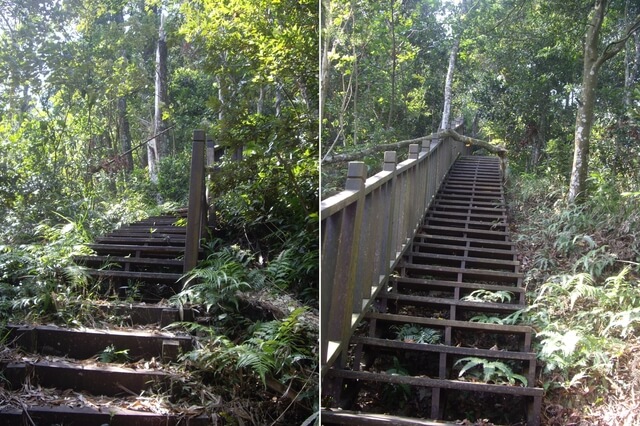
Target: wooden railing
(205, 157)
(197, 209)
(366, 229)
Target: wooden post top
(199, 135)
(414, 150)
(356, 175)
(390, 161)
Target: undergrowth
(269, 362)
(581, 265)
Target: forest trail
(117, 371)
(438, 343)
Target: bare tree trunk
(592, 62)
(355, 77)
(325, 64)
(631, 61)
(394, 65)
(260, 103)
(124, 130)
(157, 148)
(446, 110)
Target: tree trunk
(325, 64)
(394, 65)
(124, 130)
(355, 77)
(632, 61)
(157, 148)
(592, 62)
(446, 110)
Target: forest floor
(582, 278)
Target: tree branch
(615, 47)
(351, 156)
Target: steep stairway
(121, 372)
(148, 253)
(440, 341)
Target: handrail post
(386, 250)
(196, 196)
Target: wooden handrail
(366, 229)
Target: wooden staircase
(459, 281)
(63, 374)
(148, 254)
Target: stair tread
(480, 306)
(453, 350)
(135, 260)
(497, 328)
(347, 417)
(136, 274)
(173, 241)
(437, 383)
(454, 284)
(136, 247)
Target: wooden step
(157, 277)
(87, 343)
(94, 378)
(526, 360)
(422, 284)
(459, 248)
(438, 383)
(106, 414)
(470, 261)
(465, 224)
(464, 274)
(133, 249)
(522, 332)
(451, 231)
(107, 260)
(145, 314)
(177, 241)
(464, 198)
(144, 228)
(442, 206)
(439, 302)
(347, 417)
(477, 217)
(472, 242)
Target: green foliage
(511, 319)
(492, 371)
(581, 272)
(173, 180)
(501, 296)
(415, 334)
(216, 281)
(110, 354)
(393, 393)
(274, 350)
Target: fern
(215, 282)
(492, 371)
(274, 349)
(501, 296)
(412, 333)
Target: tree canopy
(518, 77)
